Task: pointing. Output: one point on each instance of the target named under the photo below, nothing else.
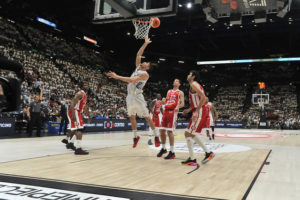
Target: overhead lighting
(189, 5)
(180, 61)
(249, 61)
(128, 33)
(162, 59)
(111, 51)
(78, 38)
(90, 40)
(180, 5)
(143, 57)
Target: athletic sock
(78, 144)
(163, 146)
(156, 132)
(151, 132)
(134, 134)
(72, 139)
(172, 149)
(198, 141)
(190, 144)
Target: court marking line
(60, 154)
(256, 176)
(42, 182)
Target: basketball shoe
(156, 141)
(79, 151)
(190, 162)
(170, 156)
(71, 146)
(65, 141)
(162, 151)
(135, 141)
(208, 157)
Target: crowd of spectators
(59, 66)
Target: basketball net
(142, 27)
(261, 104)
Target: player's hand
(147, 40)
(111, 74)
(195, 115)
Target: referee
(34, 114)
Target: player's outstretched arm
(141, 52)
(142, 77)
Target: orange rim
(140, 21)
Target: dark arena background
(247, 54)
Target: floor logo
(28, 192)
(215, 147)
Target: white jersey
(137, 87)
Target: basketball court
(243, 168)
(252, 164)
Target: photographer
(3, 101)
(34, 114)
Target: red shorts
(156, 121)
(207, 124)
(169, 120)
(79, 124)
(199, 122)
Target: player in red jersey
(155, 109)
(197, 122)
(210, 122)
(76, 123)
(174, 101)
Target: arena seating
(59, 66)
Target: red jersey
(80, 105)
(157, 107)
(194, 98)
(172, 100)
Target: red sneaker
(156, 141)
(135, 141)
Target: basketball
(155, 22)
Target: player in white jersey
(136, 104)
(210, 123)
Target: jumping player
(156, 111)
(136, 104)
(197, 122)
(210, 123)
(174, 101)
(76, 123)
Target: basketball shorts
(156, 120)
(79, 124)
(168, 121)
(136, 105)
(198, 122)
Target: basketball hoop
(143, 25)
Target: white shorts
(136, 105)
